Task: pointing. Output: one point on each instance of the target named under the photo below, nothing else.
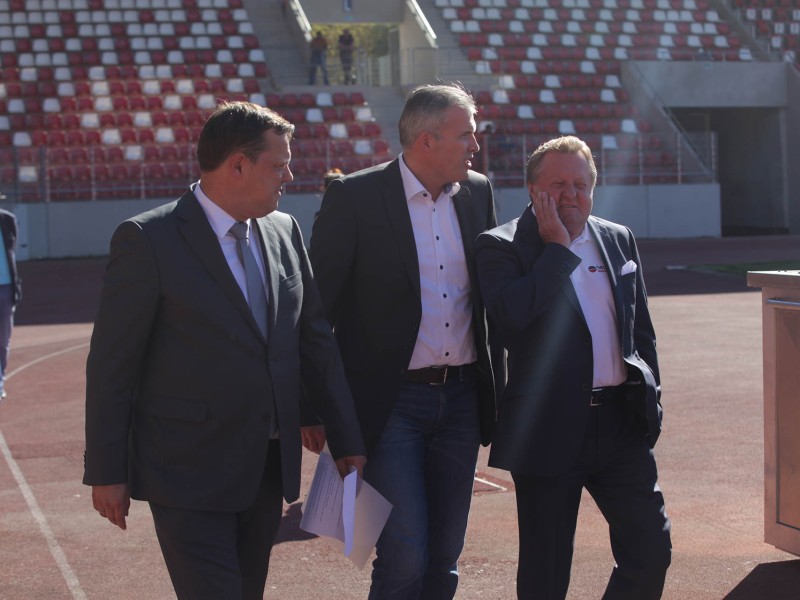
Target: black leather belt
(604, 395)
(436, 375)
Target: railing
(419, 16)
(37, 177)
(640, 161)
(46, 174)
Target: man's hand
(551, 229)
(112, 502)
(313, 437)
(345, 463)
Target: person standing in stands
(581, 408)
(347, 46)
(319, 58)
(392, 251)
(10, 289)
(209, 334)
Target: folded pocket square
(628, 267)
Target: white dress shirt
(445, 334)
(593, 288)
(221, 222)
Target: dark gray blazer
(528, 293)
(177, 363)
(365, 263)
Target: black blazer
(528, 293)
(8, 225)
(178, 362)
(365, 263)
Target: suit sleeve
(325, 387)
(497, 353)
(333, 246)
(644, 336)
(515, 295)
(128, 306)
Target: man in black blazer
(10, 289)
(192, 398)
(581, 407)
(392, 251)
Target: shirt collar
(582, 237)
(412, 185)
(220, 221)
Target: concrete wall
(418, 62)
(363, 11)
(791, 143)
(753, 110)
(717, 84)
(74, 229)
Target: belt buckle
(444, 377)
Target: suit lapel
(272, 261)
(613, 260)
(202, 240)
(530, 229)
(394, 200)
(465, 213)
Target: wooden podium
(780, 310)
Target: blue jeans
(424, 464)
(321, 62)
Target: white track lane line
(55, 550)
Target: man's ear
(236, 163)
(424, 140)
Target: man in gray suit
(581, 407)
(393, 254)
(193, 393)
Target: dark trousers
(218, 555)
(618, 469)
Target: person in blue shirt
(10, 289)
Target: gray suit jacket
(180, 382)
(365, 262)
(528, 293)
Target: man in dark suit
(194, 380)
(10, 289)
(581, 406)
(392, 251)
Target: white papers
(350, 511)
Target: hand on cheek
(551, 229)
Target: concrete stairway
(284, 55)
(452, 63)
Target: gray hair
(425, 108)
